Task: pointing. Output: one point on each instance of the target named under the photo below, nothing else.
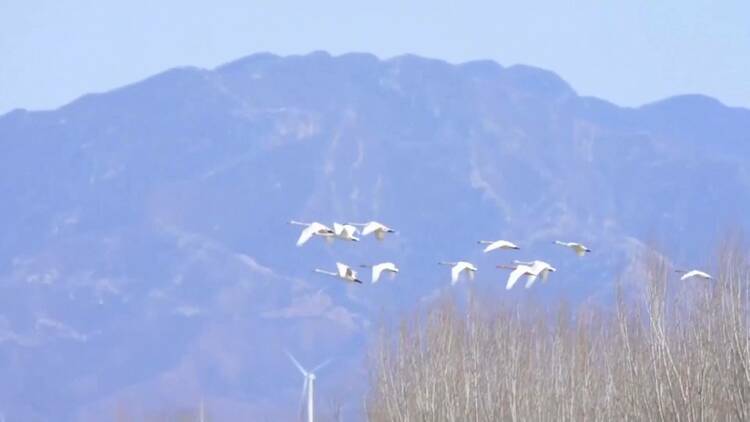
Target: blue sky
(627, 52)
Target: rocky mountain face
(146, 261)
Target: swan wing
(371, 227)
(514, 276)
(537, 267)
(342, 269)
(306, 234)
(376, 271)
(544, 274)
(318, 227)
(456, 272)
(350, 230)
(530, 281)
(695, 273)
(493, 246)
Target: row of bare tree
(677, 351)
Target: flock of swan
(531, 270)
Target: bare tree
(677, 350)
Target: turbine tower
(308, 384)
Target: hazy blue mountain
(145, 259)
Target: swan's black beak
(356, 280)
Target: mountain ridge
(147, 226)
(261, 57)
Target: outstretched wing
(530, 281)
(455, 273)
(500, 244)
(376, 271)
(514, 276)
(342, 269)
(545, 274)
(306, 234)
(539, 268)
(492, 246)
(351, 230)
(695, 273)
(371, 227)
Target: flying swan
(578, 248)
(694, 273)
(344, 272)
(497, 244)
(539, 268)
(373, 227)
(378, 269)
(345, 232)
(519, 270)
(312, 229)
(458, 268)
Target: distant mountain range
(146, 261)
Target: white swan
(519, 271)
(344, 272)
(497, 244)
(458, 268)
(540, 268)
(694, 273)
(373, 227)
(578, 248)
(345, 232)
(312, 229)
(378, 269)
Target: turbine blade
(302, 398)
(321, 366)
(297, 364)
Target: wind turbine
(308, 384)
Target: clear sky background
(629, 52)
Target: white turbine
(578, 248)
(497, 244)
(458, 268)
(519, 270)
(540, 268)
(694, 273)
(373, 227)
(345, 232)
(378, 269)
(313, 229)
(343, 272)
(308, 384)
